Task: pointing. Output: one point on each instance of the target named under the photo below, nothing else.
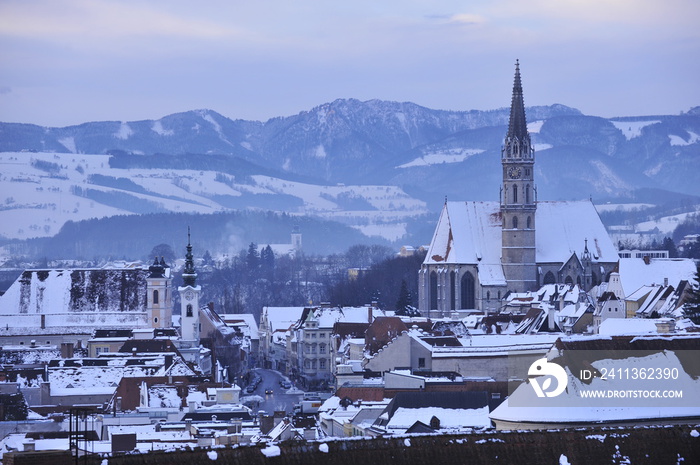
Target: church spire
(517, 143)
(189, 275)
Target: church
(482, 251)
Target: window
(313, 348)
(527, 194)
(321, 334)
(155, 296)
(529, 222)
(515, 194)
(322, 349)
(433, 291)
(322, 364)
(313, 335)
(421, 362)
(155, 320)
(189, 310)
(515, 222)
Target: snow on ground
(632, 129)
(124, 131)
(37, 203)
(677, 140)
(665, 225)
(158, 129)
(609, 207)
(447, 156)
(535, 126)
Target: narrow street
(278, 399)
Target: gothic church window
(527, 194)
(515, 222)
(433, 291)
(515, 194)
(453, 294)
(549, 278)
(467, 291)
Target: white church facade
(481, 251)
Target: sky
(65, 62)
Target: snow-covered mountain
(374, 165)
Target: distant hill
(382, 168)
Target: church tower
(189, 299)
(518, 198)
(159, 306)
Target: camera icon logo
(542, 367)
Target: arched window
(515, 222)
(569, 281)
(529, 222)
(155, 296)
(189, 310)
(549, 278)
(527, 194)
(578, 281)
(433, 291)
(488, 295)
(453, 294)
(467, 291)
(515, 193)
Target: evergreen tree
(404, 305)
(691, 307)
(267, 263)
(404, 300)
(669, 245)
(252, 261)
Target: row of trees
(256, 277)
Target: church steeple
(518, 198)
(517, 143)
(189, 275)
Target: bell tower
(159, 302)
(189, 299)
(518, 198)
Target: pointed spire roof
(517, 126)
(517, 143)
(189, 275)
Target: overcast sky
(65, 62)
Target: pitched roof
(470, 233)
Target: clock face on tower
(189, 295)
(514, 172)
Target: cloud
(466, 18)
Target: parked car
(286, 384)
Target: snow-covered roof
(523, 406)
(450, 418)
(76, 290)
(281, 317)
(470, 232)
(638, 272)
(627, 326)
